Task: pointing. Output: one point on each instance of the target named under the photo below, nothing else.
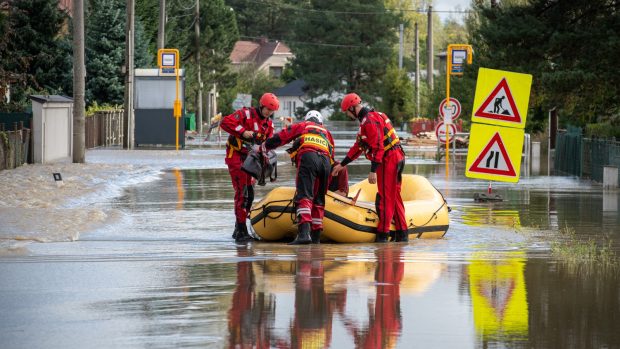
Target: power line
(387, 10)
(303, 42)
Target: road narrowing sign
(501, 98)
(494, 153)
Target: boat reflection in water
(499, 298)
(321, 287)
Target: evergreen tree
(218, 34)
(570, 48)
(343, 46)
(268, 19)
(105, 51)
(40, 59)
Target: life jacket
(390, 138)
(239, 144)
(314, 138)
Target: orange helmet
(270, 101)
(349, 101)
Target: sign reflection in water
(320, 288)
(498, 296)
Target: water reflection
(498, 295)
(321, 288)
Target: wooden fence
(104, 129)
(14, 148)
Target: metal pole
(417, 72)
(79, 72)
(429, 66)
(199, 106)
(129, 76)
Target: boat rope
(266, 215)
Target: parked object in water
(481, 197)
(352, 221)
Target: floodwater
(166, 274)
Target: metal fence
(585, 157)
(104, 129)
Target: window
(275, 71)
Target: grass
(574, 250)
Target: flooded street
(167, 274)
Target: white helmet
(313, 114)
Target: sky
(451, 5)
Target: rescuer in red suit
(379, 142)
(246, 126)
(314, 157)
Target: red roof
(257, 52)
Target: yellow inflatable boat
(351, 221)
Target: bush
(602, 130)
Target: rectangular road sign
(494, 153)
(501, 98)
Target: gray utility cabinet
(154, 97)
(52, 128)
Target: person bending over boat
(314, 157)
(338, 184)
(247, 126)
(377, 139)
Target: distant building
(263, 55)
(291, 96)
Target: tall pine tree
(40, 59)
(343, 46)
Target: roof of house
(294, 88)
(257, 52)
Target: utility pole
(199, 101)
(400, 51)
(128, 122)
(161, 32)
(429, 46)
(417, 72)
(79, 72)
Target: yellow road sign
(501, 98)
(494, 153)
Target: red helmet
(270, 101)
(349, 101)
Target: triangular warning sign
(497, 294)
(500, 105)
(494, 159)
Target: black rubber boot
(382, 237)
(236, 231)
(242, 234)
(315, 235)
(303, 235)
(393, 235)
(402, 236)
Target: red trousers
(389, 203)
(243, 184)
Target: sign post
(168, 62)
(458, 55)
(498, 122)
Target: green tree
(40, 59)
(343, 46)
(105, 51)
(248, 81)
(568, 46)
(397, 101)
(262, 18)
(218, 34)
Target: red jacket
(375, 136)
(245, 119)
